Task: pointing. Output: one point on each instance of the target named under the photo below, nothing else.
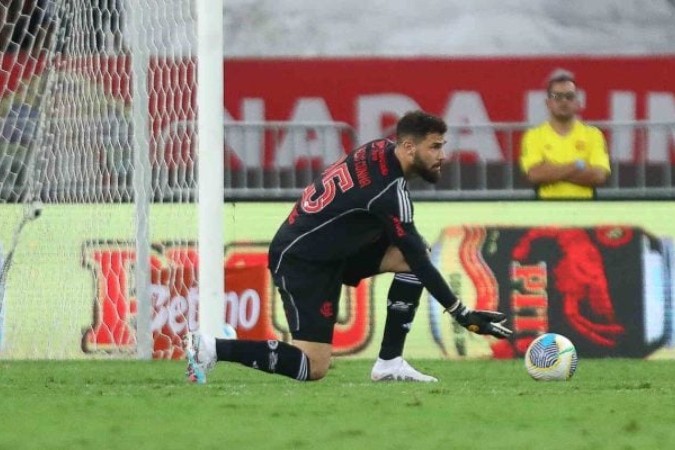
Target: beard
(427, 174)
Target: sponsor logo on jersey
(379, 156)
(400, 232)
(361, 167)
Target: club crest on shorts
(326, 309)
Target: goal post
(111, 115)
(210, 132)
(140, 63)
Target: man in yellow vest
(563, 157)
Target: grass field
(609, 404)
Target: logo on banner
(586, 283)
(581, 280)
(250, 306)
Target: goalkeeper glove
(482, 321)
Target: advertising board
(600, 272)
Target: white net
(67, 121)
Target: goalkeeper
(353, 222)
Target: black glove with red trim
(482, 321)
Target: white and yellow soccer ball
(551, 357)
(229, 332)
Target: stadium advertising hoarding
(606, 287)
(369, 94)
(598, 272)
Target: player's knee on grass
(318, 369)
(319, 355)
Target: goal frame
(210, 140)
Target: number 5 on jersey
(336, 173)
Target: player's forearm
(590, 176)
(547, 172)
(415, 251)
(434, 283)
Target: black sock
(402, 302)
(268, 356)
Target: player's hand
(482, 322)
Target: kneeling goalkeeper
(353, 222)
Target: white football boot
(398, 369)
(200, 351)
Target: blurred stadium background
(304, 82)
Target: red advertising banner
(350, 87)
(369, 94)
(250, 300)
(606, 287)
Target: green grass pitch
(609, 404)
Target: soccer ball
(551, 357)
(229, 332)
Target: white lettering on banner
(178, 312)
(321, 143)
(535, 107)
(467, 108)
(178, 309)
(253, 110)
(247, 143)
(462, 108)
(371, 109)
(193, 314)
(242, 311)
(159, 297)
(249, 309)
(660, 107)
(173, 311)
(622, 109)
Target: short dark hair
(560, 76)
(419, 124)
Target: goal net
(107, 166)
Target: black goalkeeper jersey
(351, 205)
